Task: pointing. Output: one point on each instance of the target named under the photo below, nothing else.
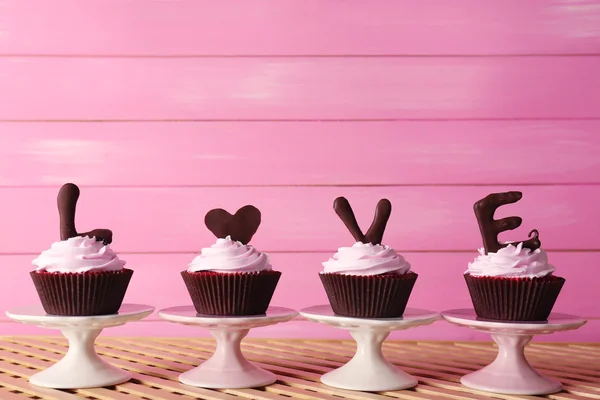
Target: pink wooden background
(162, 110)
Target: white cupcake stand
(227, 368)
(81, 367)
(510, 373)
(369, 370)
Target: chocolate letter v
(375, 233)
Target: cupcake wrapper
(514, 299)
(231, 294)
(378, 296)
(79, 294)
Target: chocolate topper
(490, 227)
(241, 226)
(67, 202)
(375, 233)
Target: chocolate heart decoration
(241, 226)
(67, 203)
(375, 233)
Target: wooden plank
(421, 357)
(415, 153)
(414, 360)
(42, 393)
(298, 363)
(460, 392)
(300, 88)
(424, 219)
(11, 394)
(318, 348)
(253, 394)
(307, 375)
(532, 352)
(106, 394)
(582, 348)
(206, 351)
(409, 394)
(321, 388)
(422, 374)
(158, 378)
(545, 363)
(272, 392)
(480, 359)
(190, 27)
(573, 381)
(16, 377)
(131, 361)
(563, 395)
(135, 389)
(168, 350)
(297, 393)
(194, 349)
(95, 393)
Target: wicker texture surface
(156, 363)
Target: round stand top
(412, 317)
(556, 322)
(36, 315)
(187, 315)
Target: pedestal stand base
(81, 367)
(369, 370)
(510, 372)
(227, 368)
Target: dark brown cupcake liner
(231, 294)
(79, 294)
(514, 299)
(376, 296)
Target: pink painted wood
(440, 285)
(275, 27)
(406, 153)
(299, 88)
(299, 218)
(480, 97)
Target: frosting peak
(511, 261)
(366, 259)
(229, 256)
(78, 254)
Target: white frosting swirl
(78, 254)
(230, 256)
(366, 259)
(511, 261)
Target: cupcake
(368, 279)
(510, 281)
(231, 278)
(81, 274)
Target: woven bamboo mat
(157, 362)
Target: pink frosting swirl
(511, 261)
(229, 256)
(366, 259)
(78, 254)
